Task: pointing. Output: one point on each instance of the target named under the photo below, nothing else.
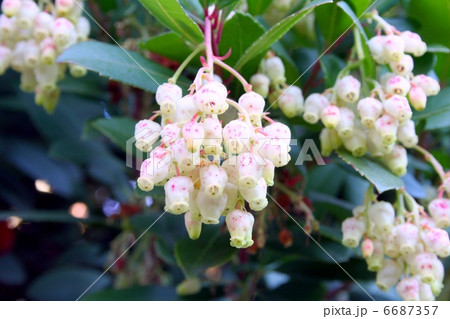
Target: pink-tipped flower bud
(397, 160)
(193, 134)
(367, 248)
(398, 107)
(352, 231)
(346, 123)
(211, 208)
(214, 180)
(27, 13)
(436, 241)
(48, 51)
(274, 68)
(406, 134)
(314, 104)
(63, 7)
(397, 85)
(260, 84)
(154, 170)
(177, 190)
(407, 236)
(167, 97)
(236, 137)
(213, 136)
(329, 141)
(389, 274)
(369, 110)
(376, 47)
(428, 84)
(440, 211)
(387, 126)
(11, 7)
(256, 196)
(211, 98)
(413, 43)
(146, 133)
(291, 101)
(278, 131)
(43, 24)
(394, 47)
(417, 98)
(330, 116)
(408, 289)
(254, 104)
(193, 226)
(240, 226)
(64, 33)
(403, 67)
(357, 143)
(348, 89)
(382, 214)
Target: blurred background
(68, 207)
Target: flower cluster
(270, 82)
(208, 169)
(402, 244)
(31, 38)
(375, 123)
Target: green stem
(185, 63)
(361, 57)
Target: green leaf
(332, 22)
(331, 66)
(66, 284)
(118, 129)
(239, 44)
(164, 44)
(118, 64)
(373, 171)
(171, 14)
(361, 6)
(258, 7)
(211, 249)
(150, 293)
(275, 33)
(344, 6)
(425, 63)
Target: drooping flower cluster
(208, 169)
(376, 123)
(270, 82)
(31, 39)
(403, 244)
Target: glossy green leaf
(333, 24)
(258, 7)
(276, 32)
(211, 249)
(172, 15)
(346, 8)
(373, 171)
(164, 44)
(362, 6)
(118, 129)
(331, 66)
(118, 64)
(239, 44)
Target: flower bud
(375, 262)
(5, 58)
(369, 110)
(46, 75)
(28, 80)
(348, 89)
(375, 144)
(417, 98)
(394, 47)
(275, 150)
(403, 67)
(330, 116)
(440, 211)
(329, 141)
(278, 131)
(376, 47)
(314, 104)
(249, 166)
(398, 107)
(260, 84)
(389, 274)
(428, 84)
(8, 27)
(408, 289)
(255, 196)
(214, 180)
(254, 104)
(11, 7)
(177, 191)
(406, 134)
(367, 248)
(236, 135)
(382, 214)
(357, 143)
(397, 85)
(407, 236)
(240, 226)
(83, 29)
(429, 267)
(167, 97)
(48, 51)
(390, 244)
(211, 98)
(387, 127)
(231, 190)
(436, 241)
(169, 134)
(146, 133)
(31, 54)
(193, 134)
(268, 172)
(63, 7)
(213, 136)
(189, 286)
(43, 24)
(413, 43)
(186, 161)
(186, 109)
(211, 208)
(345, 126)
(397, 160)
(64, 33)
(77, 71)
(352, 230)
(193, 226)
(291, 102)
(27, 13)
(275, 70)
